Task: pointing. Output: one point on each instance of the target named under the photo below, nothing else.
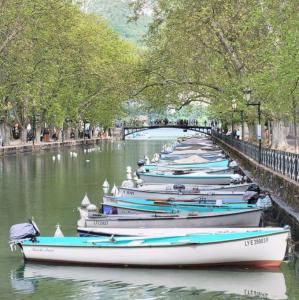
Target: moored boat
(193, 166)
(190, 188)
(191, 178)
(181, 205)
(261, 249)
(132, 208)
(121, 216)
(187, 195)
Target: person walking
(238, 133)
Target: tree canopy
(59, 62)
(210, 50)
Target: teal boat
(199, 177)
(257, 248)
(206, 165)
(124, 208)
(179, 204)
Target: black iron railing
(285, 163)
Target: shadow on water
(127, 283)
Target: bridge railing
(134, 129)
(285, 163)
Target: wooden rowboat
(122, 217)
(192, 178)
(186, 195)
(261, 249)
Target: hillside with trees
(117, 13)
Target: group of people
(235, 133)
(180, 122)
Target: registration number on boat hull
(100, 222)
(257, 241)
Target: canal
(50, 191)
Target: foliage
(210, 50)
(59, 62)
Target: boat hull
(266, 251)
(207, 165)
(246, 218)
(180, 179)
(182, 195)
(195, 187)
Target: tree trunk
(68, 133)
(250, 132)
(279, 135)
(246, 132)
(37, 134)
(2, 132)
(5, 133)
(24, 135)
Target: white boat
(145, 219)
(260, 249)
(196, 205)
(191, 178)
(255, 284)
(191, 188)
(189, 195)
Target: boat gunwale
(220, 213)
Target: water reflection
(89, 282)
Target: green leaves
(61, 62)
(213, 49)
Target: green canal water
(50, 191)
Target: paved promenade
(16, 148)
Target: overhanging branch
(173, 81)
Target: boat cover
(191, 159)
(22, 231)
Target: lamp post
(247, 95)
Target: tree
(61, 63)
(211, 50)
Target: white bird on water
(106, 184)
(73, 154)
